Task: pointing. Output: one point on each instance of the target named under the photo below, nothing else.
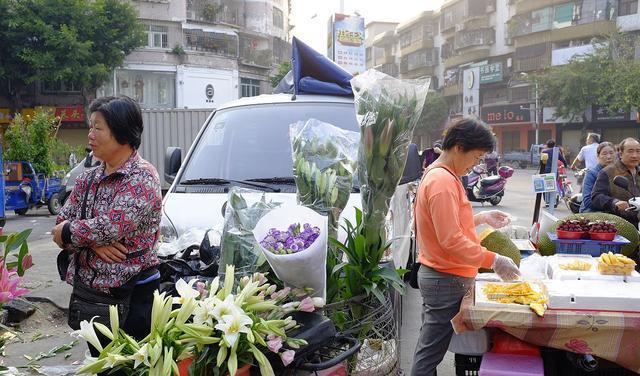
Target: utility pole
(537, 118)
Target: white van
(246, 143)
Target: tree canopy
(606, 77)
(74, 41)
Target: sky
(310, 17)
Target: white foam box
(483, 301)
(557, 273)
(596, 295)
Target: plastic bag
(244, 209)
(515, 232)
(388, 110)
(533, 268)
(192, 236)
(324, 161)
(302, 269)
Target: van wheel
(54, 204)
(522, 164)
(22, 211)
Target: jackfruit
(499, 243)
(625, 229)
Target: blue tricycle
(25, 188)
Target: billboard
(345, 42)
(471, 92)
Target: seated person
(606, 156)
(610, 198)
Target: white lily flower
(318, 302)
(225, 307)
(88, 333)
(202, 314)
(141, 356)
(113, 360)
(186, 290)
(234, 324)
(213, 288)
(185, 311)
(114, 319)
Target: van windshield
(253, 142)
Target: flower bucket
(183, 368)
(306, 268)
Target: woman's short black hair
(551, 143)
(470, 134)
(123, 116)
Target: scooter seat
(489, 181)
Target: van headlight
(168, 232)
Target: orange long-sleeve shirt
(446, 233)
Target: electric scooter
(482, 188)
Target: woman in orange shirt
(450, 250)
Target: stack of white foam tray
(599, 295)
(557, 273)
(483, 301)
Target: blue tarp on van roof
(314, 73)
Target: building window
(627, 7)
(217, 43)
(249, 87)
(158, 36)
(149, 89)
(57, 87)
(278, 18)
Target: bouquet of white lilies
(216, 326)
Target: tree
(283, 69)
(30, 138)
(606, 77)
(65, 40)
(435, 113)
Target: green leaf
(24, 250)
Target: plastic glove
(505, 268)
(496, 218)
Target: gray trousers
(442, 295)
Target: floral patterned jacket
(124, 207)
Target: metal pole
(537, 113)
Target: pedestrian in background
(431, 154)
(449, 248)
(588, 153)
(606, 154)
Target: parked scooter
(482, 188)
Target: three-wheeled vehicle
(25, 188)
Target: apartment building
(199, 54)
(508, 40)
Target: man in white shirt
(588, 154)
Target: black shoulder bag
(87, 302)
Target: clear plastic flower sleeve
(324, 161)
(388, 110)
(306, 268)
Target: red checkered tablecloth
(614, 336)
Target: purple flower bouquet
(297, 255)
(297, 238)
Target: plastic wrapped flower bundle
(388, 110)
(218, 327)
(324, 161)
(295, 239)
(304, 269)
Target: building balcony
(568, 33)
(210, 12)
(474, 38)
(425, 42)
(386, 59)
(259, 58)
(212, 42)
(532, 63)
(526, 6)
(628, 23)
(561, 56)
(390, 69)
(466, 57)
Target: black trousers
(138, 322)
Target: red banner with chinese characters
(71, 113)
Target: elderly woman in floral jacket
(110, 223)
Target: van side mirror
(172, 162)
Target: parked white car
(246, 143)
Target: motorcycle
(482, 188)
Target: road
(47, 328)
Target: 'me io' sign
(506, 114)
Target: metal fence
(170, 127)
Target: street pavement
(47, 328)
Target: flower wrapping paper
(302, 269)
